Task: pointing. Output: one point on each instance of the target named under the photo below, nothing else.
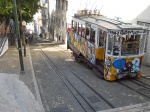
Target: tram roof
(111, 24)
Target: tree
(26, 9)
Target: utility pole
(18, 35)
(23, 34)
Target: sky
(126, 9)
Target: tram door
(100, 50)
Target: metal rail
(76, 93)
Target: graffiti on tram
(85, 47)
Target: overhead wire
(93, 4)
(88, 4)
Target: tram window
(116, 40)
(131, 45)
(101, 38)
(79, 28)
(83, 31)
(116, 45)
(92, 36)
(142, 43)
(74, 26)
(110, 44)
(87, 33)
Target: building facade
(54, 19)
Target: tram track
(137, 86)
(144, 88)
(64, 79)
(74, 90)
(72, 70)
(138, 83)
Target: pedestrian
(31, 38)
(26, 38)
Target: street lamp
(24, 28)
(18, 35)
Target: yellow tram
(114, 47)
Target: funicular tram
(114, 47)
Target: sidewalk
(18, 90)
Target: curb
(38, 97)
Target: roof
(108, 23)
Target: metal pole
(23, 35)
(24, 42)
(18, 35)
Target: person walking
(26, 38)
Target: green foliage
(26, 9)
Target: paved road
(56, 97)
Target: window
(59, 4)
(79, 29)
(92, 35)
(116, 47)
(87, 33)
(142, 42)
(66, 5)
(83, 31)
(130, 44)
(101, 37)
(113, 44)
(62, 23)
(59, 22)
(110, 44)
(62, 4)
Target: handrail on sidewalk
(4, 31)
(2, 44)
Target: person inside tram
(92, 36)
(79, 31)
(130, 41)
(87, 34)
(74, 29)
(101, 38)
(83, 32)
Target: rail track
(90, 100)
(142, 87)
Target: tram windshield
(130, 44)
(126, 45)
